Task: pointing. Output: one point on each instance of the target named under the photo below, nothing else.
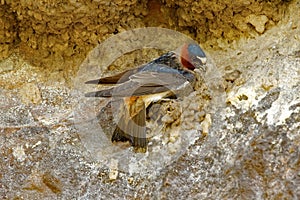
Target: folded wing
(146, 82)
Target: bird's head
(192, 57)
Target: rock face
(56, 32)
(248, 148)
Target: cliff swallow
(141, 86)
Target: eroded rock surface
(251, 148)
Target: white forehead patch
(203, 59)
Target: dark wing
(169, 59)
(118, 78)
(148, 82)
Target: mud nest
(52, 32)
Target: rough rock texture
(251, 150)
(58, 32)
(8, 31)
(221, 22)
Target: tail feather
(137, 127)
(132, 129)
(105, 80)
(101, 93)
(92, 82)
(118, 78)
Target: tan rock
(258, 21)
(30, 94)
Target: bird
(148, 83)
